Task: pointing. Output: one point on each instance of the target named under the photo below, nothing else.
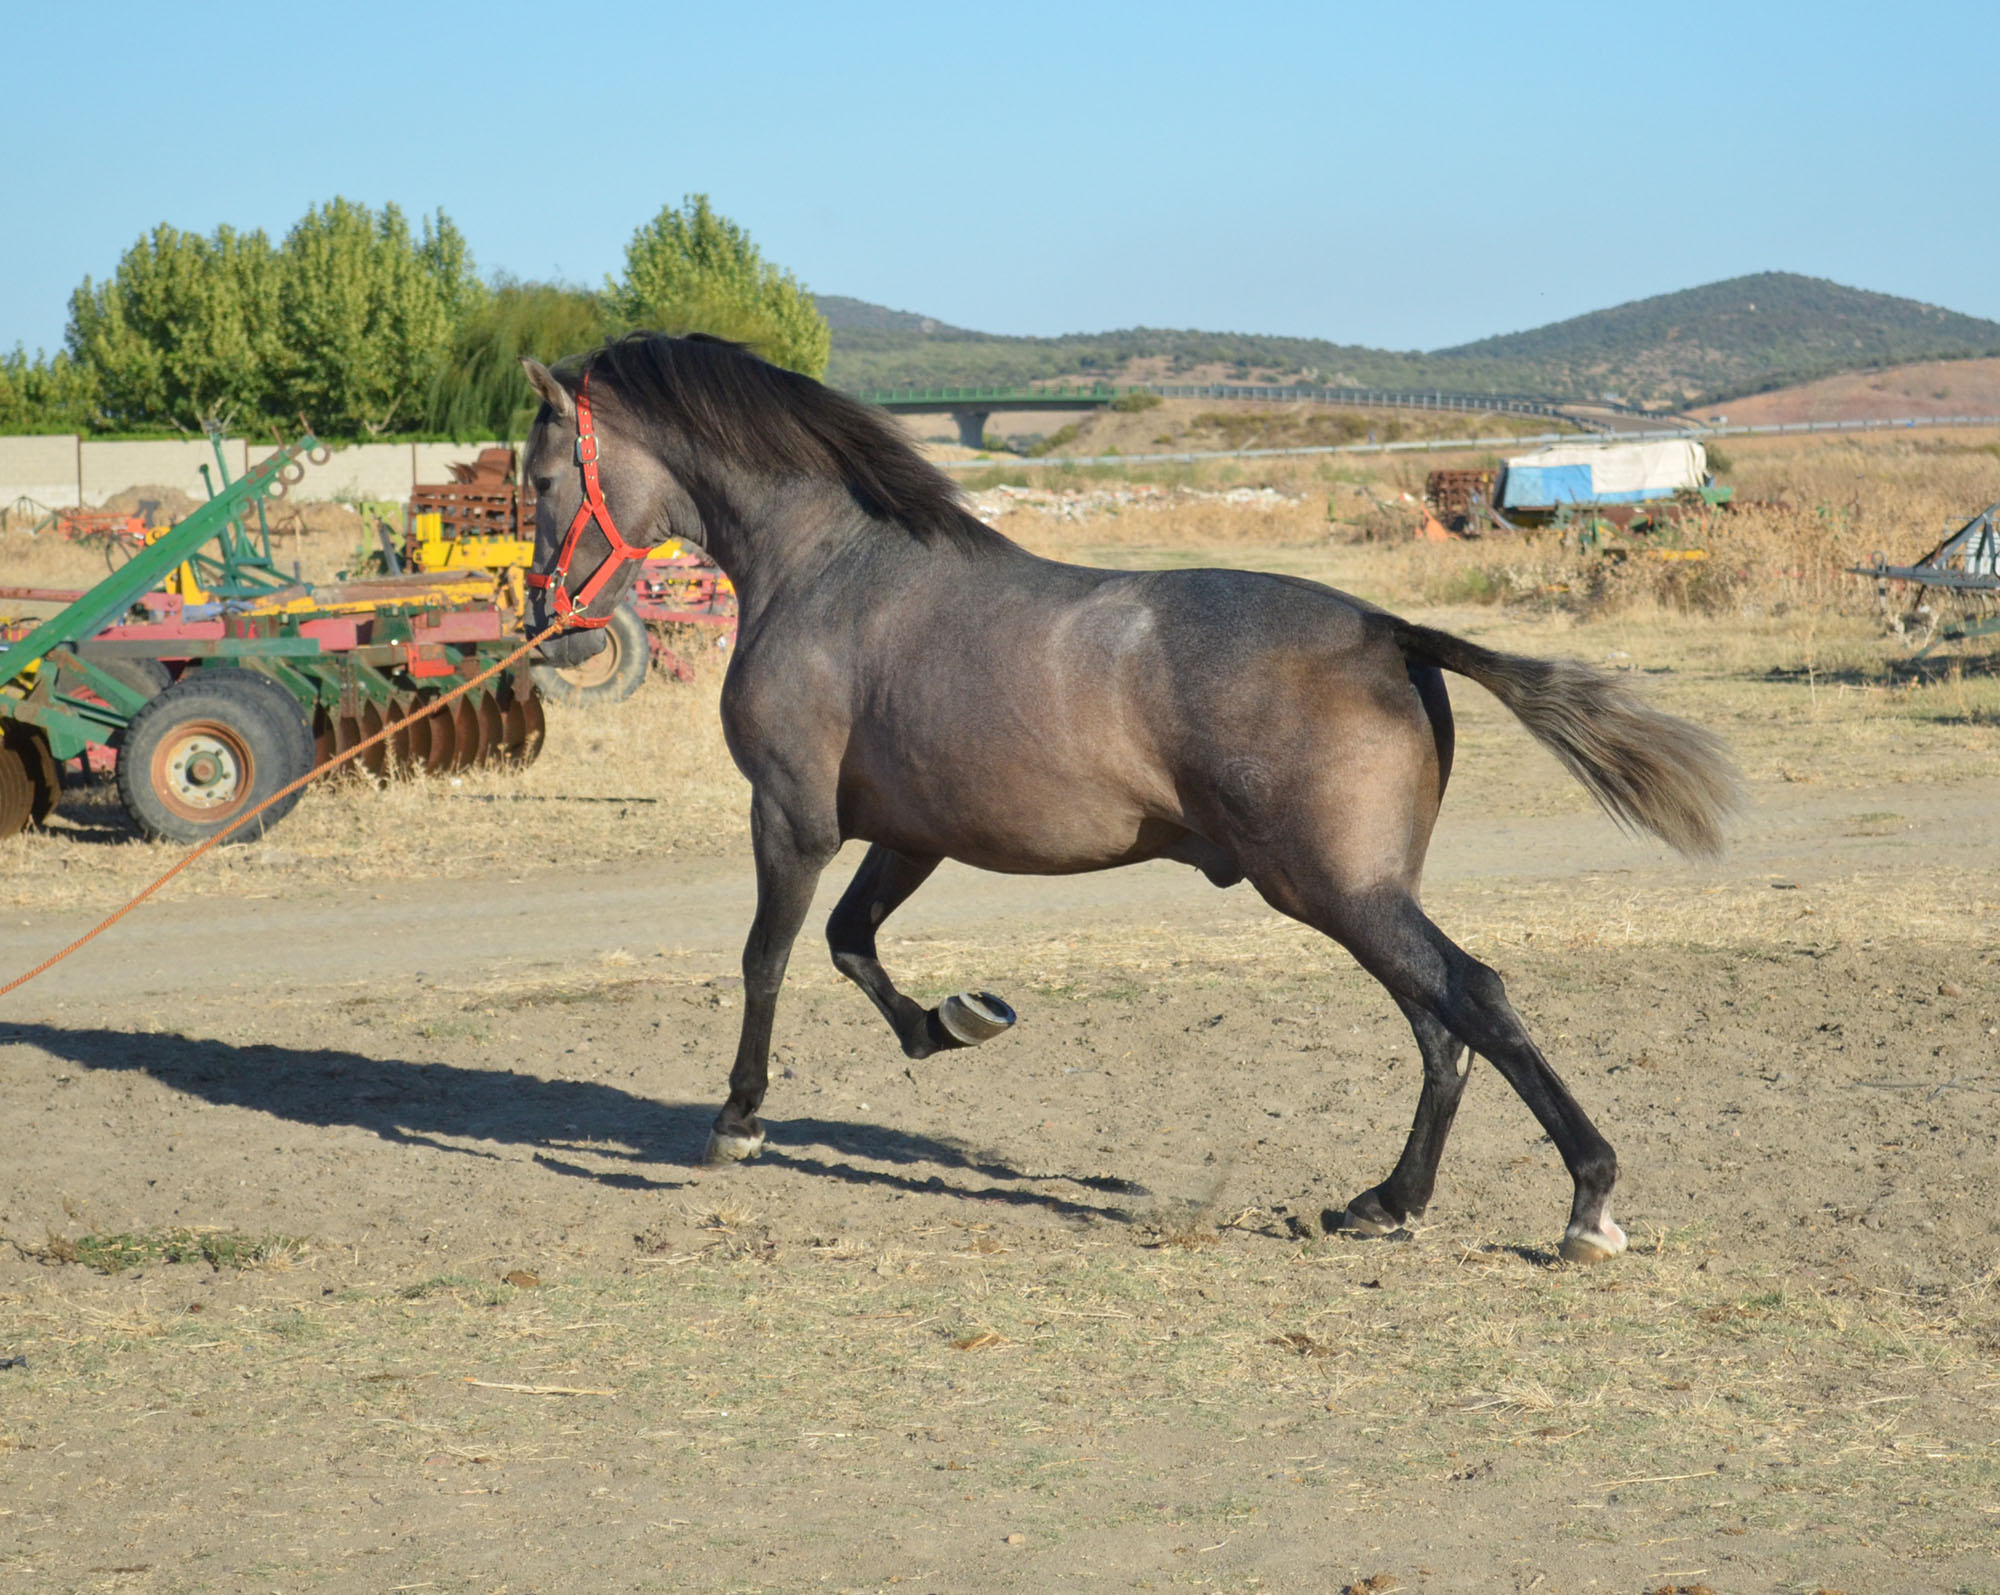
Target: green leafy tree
(369, 312)
(478, 391)
(184, 332)
(693, 270)
(46, 395)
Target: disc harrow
(499, 725)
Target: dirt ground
(357, 1241)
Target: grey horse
(907, 676)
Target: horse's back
(1090, 719)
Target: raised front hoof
(1365, 1216)
(974, 1016)
(723, 1149)
(1582, 1244)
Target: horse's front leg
(791, 851)
(884, 881)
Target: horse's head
(602, 499)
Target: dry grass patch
(1708, 1391)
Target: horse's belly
(1023, 827)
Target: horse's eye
(542, 484)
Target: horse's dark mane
(729, 404)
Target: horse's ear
(544, 382)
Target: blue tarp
(1538, 486)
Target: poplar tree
(46, 395)
(694, 270)
(368, 313)
(184, 333)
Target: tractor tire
(208, 750)
(17, 792)
(281, 705)
(147, 676)
(610, 675)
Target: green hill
(1693, 347)
(874, 347)
(1729, 338)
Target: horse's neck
(784, 538)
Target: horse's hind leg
(1407, 1191)
(882, 884)
(1397, 944)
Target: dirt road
(1053, 1313)
(700, 907)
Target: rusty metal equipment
(481, 519)
(1460, 504)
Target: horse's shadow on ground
(565, 1125)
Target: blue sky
(1409, 176)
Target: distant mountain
(875, 347)
(1741, 336)
(1694, 347)
(858, 315)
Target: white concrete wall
(379, 470)
(46, 469)
(43, 469)
(110, 468)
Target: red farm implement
(206, 680)
(484, 520)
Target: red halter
(593, 508)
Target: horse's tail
(1650, 771)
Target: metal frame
(1968, 561)
(43, 677)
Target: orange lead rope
(314, 774)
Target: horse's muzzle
(569, 648)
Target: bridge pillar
(972, 427)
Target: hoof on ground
(1363, 1216)
(1581, 1245)
(974, 1016)
(724, 1149)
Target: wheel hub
(205, 770)
(599, 668)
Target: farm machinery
(1964, 570)
(104, 527)
(206, 679)
(484, 520)
(1596, 488)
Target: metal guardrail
(1094, 393)
(1377, 398)
(1447, 445)
(1104, 393)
